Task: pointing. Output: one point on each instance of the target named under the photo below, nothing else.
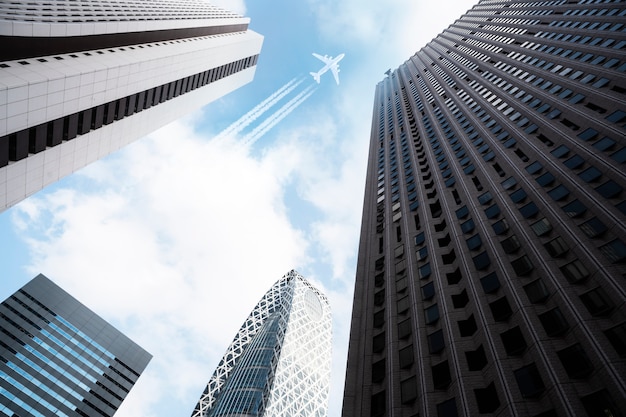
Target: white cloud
(175, 241)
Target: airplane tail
(316, 76)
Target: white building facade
(279, 362)
(79, 80)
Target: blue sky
(175, 238)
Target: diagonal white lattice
(279, 362)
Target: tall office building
(279, 362)
(491, 276)
(59, 358)
(80, 79)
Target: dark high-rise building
(491, 274)
(79, 80)
(59, 358)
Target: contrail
(279, 115)
(261, 108)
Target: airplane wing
(324, 59)
(335, 71)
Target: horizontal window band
(18, 145)
(23, 47)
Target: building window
(554, 322)
(378, 371)
(460, 300)
(403, 304)
(424, 271)
(406, 356)
(474, 242)
(476, 359)
(436, 342)
(467, 226)
(379, 298)
(575, 361)
(609, 189)
(441, 375)
(454, 277)
(617, 337)
(615, 251)
(545, 179)
(487, 399)
(575, 208)
(591, 174)
(518, 196)
(378, 404)
(536, 291)
(593, 228)
(428, 291)
(522, 266)
(597, 302)
(431, 314)
(500, 227)
(541, 227)
(529, 381)
(600, 404)
(492, 211)
(529, 210)
(556, 247)
(490, 283)
(574, 162)
(513, 341)
(378, 343)
(404, 328)
(559, 192)
(408, 390)
(379, 318)
(467, 327)
(447, 409)
(500, 309)
(575, 271)
(481, 261)
(511, 244)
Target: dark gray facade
(57, 357)
(491, 269)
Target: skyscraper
(79, 80)
(491, 275)
(59, 358)
(279, 362)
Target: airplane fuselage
(330, 64)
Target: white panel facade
(37, 92)
(279, 362)
(23, 178)
(96, 17)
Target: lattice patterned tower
(80, 79)
(58, 358)
(491, 275)
(279, 362)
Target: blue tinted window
(485, 198)
(559, 192)
(545, 179)
(474, 242)
(534, 168)
(467, 226)
(518, 195)
(481, 261)
(431, 314)
(529, 210)
(604, 144)
(588, 134)
(561, 151)
(590, 174)
(575, 208)
(490, 283)
(492, 211)
(574, 162)
(462, 212)
(609, 189)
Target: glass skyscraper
(80, 79)
(59, 358)
(491, 270)
(279, 362)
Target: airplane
(331, 64)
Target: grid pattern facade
(490, 277)
(59, 358)
(279, 362)
(74, 99)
